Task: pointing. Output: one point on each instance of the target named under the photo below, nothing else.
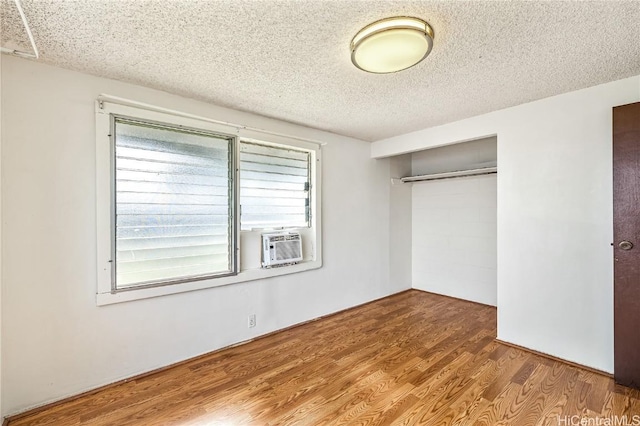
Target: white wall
(56, 341)
(461, 156)
(400, 223)
(454, 222)
(555, 219)
(454, 237)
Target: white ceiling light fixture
(391, 45)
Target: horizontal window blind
(172, 204)
(274, 186)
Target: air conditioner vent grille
(288, 250)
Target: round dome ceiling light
(391, 45)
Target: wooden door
(626, 245)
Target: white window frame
(248, 243)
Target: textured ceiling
(290, 59)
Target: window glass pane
(274, 186)
(172, 198)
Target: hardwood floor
(413, 358)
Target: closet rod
(450, 175)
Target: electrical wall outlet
(252, 320)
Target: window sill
(244, 276)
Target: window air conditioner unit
(281, 249)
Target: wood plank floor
(413, 358)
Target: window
(173, 204)
(274, 186)
(169, 192)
